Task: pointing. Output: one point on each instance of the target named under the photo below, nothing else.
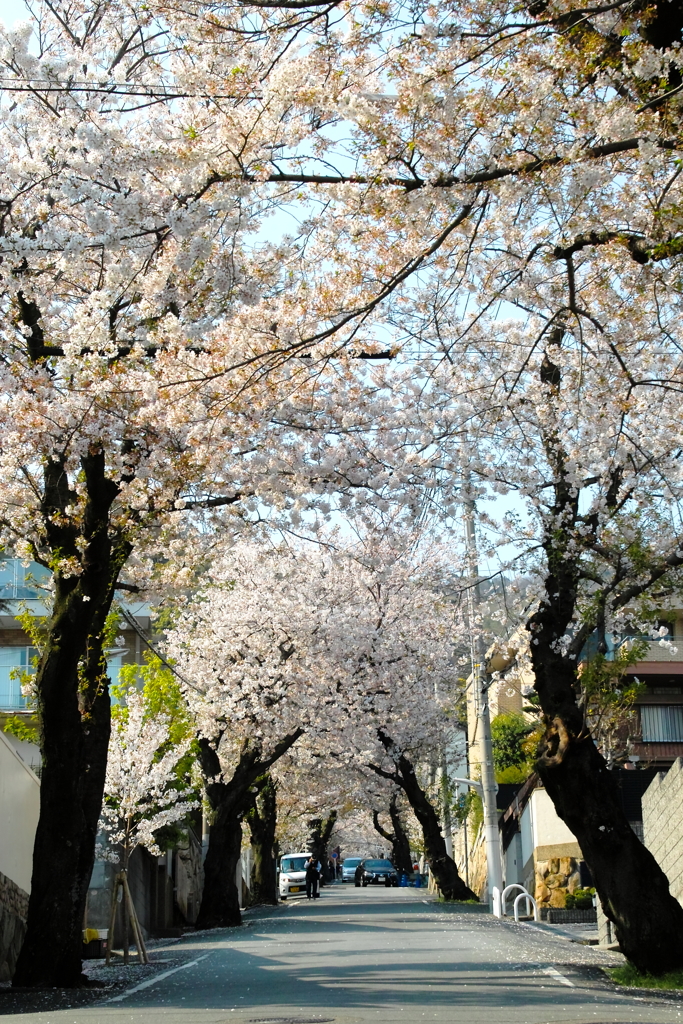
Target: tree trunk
(262, 819)
(576, 777)
(220, 906)
(400, 847)
(72, 784)
(401, 844)
(230, 801)
(74, 711)
(441, 865)
(321, 833)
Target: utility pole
(446, 805)
(481, 704)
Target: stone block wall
(13, 911)
(663, 824)
(554, 879)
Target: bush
(580, 899)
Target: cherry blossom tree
(145, 788)
(143, 791)
(152, 339)
(252, 693)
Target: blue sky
(11, 11)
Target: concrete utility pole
(446, 805)
(481, 704)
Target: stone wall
(554, 879)
(13, 910)
(663, 824)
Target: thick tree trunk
(321, 833)
(262, 819)
(73, 705)
(400, 847)
(230, 801)
(72, 783)
(441, 865)
(222, 908)
(401, 844)
(576, 777)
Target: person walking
(312, 878)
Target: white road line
(554, 973)
(152, 981)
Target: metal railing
(500, 901)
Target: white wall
(548, 829)
(19, 808)
(526, 829)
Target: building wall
(551, 836)
(19, 807)
(663, 824)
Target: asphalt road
(372, 955)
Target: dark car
(376, 872)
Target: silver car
(349, 865)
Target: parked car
(376, 872)
(349, 865)
(293, 874)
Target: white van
(293, 874)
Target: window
(13, 661)
(293, 864)
(19, 582)
(662, 724)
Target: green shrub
(580, 899)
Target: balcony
(659, 659)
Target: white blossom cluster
(143, 792)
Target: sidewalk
(584, 934)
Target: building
(657, 733)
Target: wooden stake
(112, 917)
(137, 930)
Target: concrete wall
(663, 824)
(13, 911)
(551, 837)
(19, 807)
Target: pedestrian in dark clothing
(312, 878)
